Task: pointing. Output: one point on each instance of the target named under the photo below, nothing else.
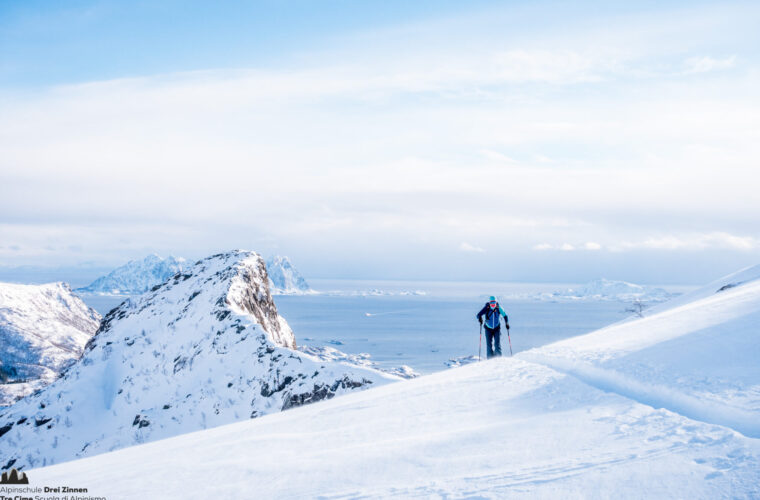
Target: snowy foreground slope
(667, 406)
(205, 348)
(43, 330)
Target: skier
(493, 313)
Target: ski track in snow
(743, 422)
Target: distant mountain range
(601, 290)
(136, 276)
(604, 289)
(139, 276)
(284, 278)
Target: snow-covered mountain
(284, 278)
(43, 329)
(604, 289)
(205, 348)
(666, 406)
(136, 276)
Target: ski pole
(480, 344)
(510, 342)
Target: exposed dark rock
(5, 429)
(729, 286)
(179, 363)
(140, 421)
(322, 391)
(41, 421)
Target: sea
(429, 326)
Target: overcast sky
(420, 140)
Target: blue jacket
(493, 315)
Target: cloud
(528, 137)
(466, 247)
(690, 242)
(496, 156)
(705, 64)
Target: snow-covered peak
(137, 276)
(43, 329)
(284, 278)
(204, 348)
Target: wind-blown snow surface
(284, 278)
(43, 329)
(205, 348)
(136, 276)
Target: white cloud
(694, 241)
(466, 247)
(496, 156)
(705, 64)
(567, 247)
(434, 145)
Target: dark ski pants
(493, 335)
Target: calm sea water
(424, 331)
(386, 320)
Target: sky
(493, 141)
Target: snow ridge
(205, 348)
(43, 330)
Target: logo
(14, 477)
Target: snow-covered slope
(284, 278)
(663, 407)
(43, 329)
(205, 348)
(136, 276)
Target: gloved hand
(507, 326)
(480, 320)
